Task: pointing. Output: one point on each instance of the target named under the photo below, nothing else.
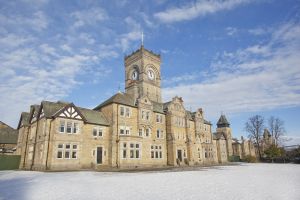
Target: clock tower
(142, 74)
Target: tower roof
(267, 133)
(141, 51)
(222, 122)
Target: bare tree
(277, 129)
(254, 126)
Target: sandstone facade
(129, 130)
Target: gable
(42, 113)
(145, 100)
(33, 118)
(70, 112)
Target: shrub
(234, 159)
(249, 159)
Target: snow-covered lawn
(247, 181)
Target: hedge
(9, 162)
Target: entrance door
(99, 155)
(179, 155)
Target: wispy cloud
(259, 77)
(34, 67)
(200, 8)
(231, 31)
(89, 17)
(127, 38)
(41, 59)
(260, 31)
(37, 21)
(180, 79)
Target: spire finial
(142, 38)
(119, 88)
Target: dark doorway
(179, 155)
(99, 155)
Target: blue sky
(239, 57)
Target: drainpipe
(117, 141)
(46, 164)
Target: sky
(236, 57)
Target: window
(159, 118)
(156, 151)
(147, 115)
(67, 154)
(67, 151)
(97, 132)
(100, 132)
(134, 150)
(159, 133)
(147, 132)
(75, 127)
(143, 114)
(60, 151)
(69, 127)
(124, 150)
(127, 112)
(122, 111)
(62, 126)
(74, 151)
(124, 130)
(137, 150)
(140, 132)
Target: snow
(245, 181)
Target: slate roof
(50, 108)
(222, 122)
(8, 135)
(158, 107)
(165, 105)
(207, 122)
(120, 98)
(24, 119)
(91, 116)
(94, 117)
(266, 133)
(34, 108)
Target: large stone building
(130, 129)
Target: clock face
(134, 75)
(150, 74)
